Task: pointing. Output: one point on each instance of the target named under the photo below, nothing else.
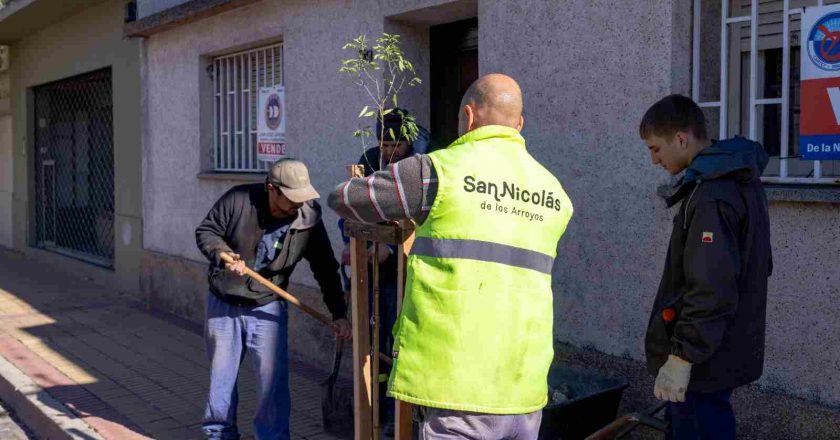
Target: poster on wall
(819, 133)
(271, 124)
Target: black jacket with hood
(237, 223)
(716, 271)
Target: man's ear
(470, 117)
(682, 139)
(521, 123)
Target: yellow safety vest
(475, 331)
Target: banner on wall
(271, 124)
(819, 132)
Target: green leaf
(387, 112)
(391, 132)
(364, 110)
(369, 114)
(395, 100)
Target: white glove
(672, 380)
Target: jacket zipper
(688, 202)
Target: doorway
(453, 67)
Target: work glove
(672, 380)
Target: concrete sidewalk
(131, 373)
(128, 372)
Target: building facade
(75, 140)
(588, 69)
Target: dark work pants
(703, 416)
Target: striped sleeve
(405, 189)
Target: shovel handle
(626, 423)
(227, 258)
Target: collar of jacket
(683, 189)
(736, 158)
(491, 131)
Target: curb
(45, 416)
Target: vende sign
(271, 124)
(270, 150)
(819, 119)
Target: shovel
(291, 299)
(227, 258)
(627, 423)
(337, 401)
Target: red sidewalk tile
(125, 370)
(96, 413)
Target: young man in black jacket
(268, 227)
(705, 336)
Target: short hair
(672, 114)
(394, 121)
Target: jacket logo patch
(708, 237)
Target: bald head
(493, 99)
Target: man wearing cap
(268, 227)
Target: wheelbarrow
(629, 422)
(583, 404)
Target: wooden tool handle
(227, 258)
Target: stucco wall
(321, 106)
(582, 114)
(81, 43)
(584, 96)
(802, 307)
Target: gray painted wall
(584, 96)
(87, 41)
(318, 131)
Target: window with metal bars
(746, 78)
(237, 79)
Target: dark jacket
(716, 270)
(237, 222)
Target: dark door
(74, 167)
(454, 66)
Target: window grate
(751, 35)
(237, 79)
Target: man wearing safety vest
(473, 342)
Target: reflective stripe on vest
(483, 251)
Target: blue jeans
(703, 416)
(230, 332)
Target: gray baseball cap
(292, 178)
